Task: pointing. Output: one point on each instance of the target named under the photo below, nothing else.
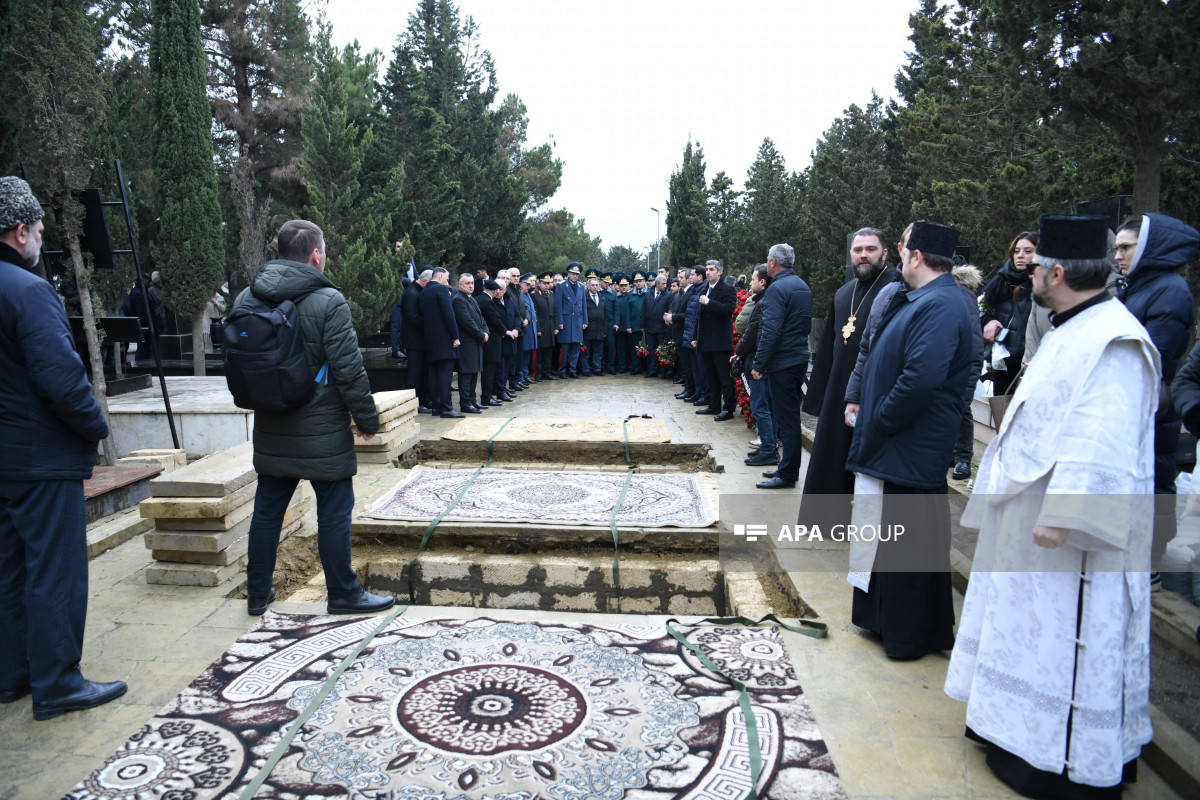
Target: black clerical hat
(1067, 237)
(491, 285)
(933, 239)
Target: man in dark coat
(654, 306)
(828, 487)
(610, 333)
(1150, 250)
(413, 325)
(543, 303)
(913, 387)
(514, 308)
(441, 341)
(677, 314)
(594, 329)
(491, 308)
(515, 300)
(714, 339)
(50, 423)
(569, 315)
(313, 442)
(699, 386)
(637, 301)
(473, 333)
(782, 357)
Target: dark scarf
(1000, 288)
(13, 257)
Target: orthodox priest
(1052, 655)
(828, 486)
(914, 385)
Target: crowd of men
(504, 331)
(1051, 654)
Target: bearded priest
(1052, 653)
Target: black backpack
(265, 365)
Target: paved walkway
(890, 728)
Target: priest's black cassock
(828, 487)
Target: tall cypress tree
(688, 224)
(188, 250)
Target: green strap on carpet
(412, 589)
(817, 630)
(264, 772)
(612, 518)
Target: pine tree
(188, 249)
(53, 51)
(688, 224)
(725, 213)
(770, 207)
(356, 222)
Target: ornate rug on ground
(560, 429)
(578, 498)
(479, 710)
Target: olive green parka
(315, 440)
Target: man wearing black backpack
(313, 441)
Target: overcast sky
(620, 85)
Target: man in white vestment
(1052, 654)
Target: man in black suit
(714, 339)
(473, 332)
(413, 327)
(491, 308)
(594, 329)
(656, 304)
(441, 339)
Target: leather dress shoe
(478, 407)
(702, 400)
(13, 695)
(507, 396)
(612, 372)
(689, 398)
(492, 401)
(469, 409)
(776, 483)
(257, 604)
(451, 414)
(962, 470)
(572, 375)
(771, 474)
(363, 603)
(678, 380)
(762, 459)
(708, 410)
(516, 387)
(681, 395)
(651, 374)
(424, 410)
(90, 695)
(550, 376)
(724, 415)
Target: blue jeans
(760, 406)
(786, 386)
(335, 501)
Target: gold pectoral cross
(848, 329)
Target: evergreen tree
(688, 224)
(555, 239)
(771, 206)
(259, 65)
(725, 214)
(622, 258)
(188, 248)
(356, 222)
(53, 49)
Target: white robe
(1075, 451)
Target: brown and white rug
(578, 498)
(560, 429)
(478, 710)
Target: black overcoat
(471, 329)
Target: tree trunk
(1147, 166)
(95, 356)
(198, 367)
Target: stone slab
(392, 424)
(197, 507)
(387, 440)
(117, 529)
(687, 457)
(210, 542)
(222, 523)
(229, 555)
(166, 462)
(216, 475)
(171, 574)
(179, 456)
(206, 420)
(387, 457)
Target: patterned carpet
(577, 498)
(478, 710)
(560, 429)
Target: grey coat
(315, 441)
